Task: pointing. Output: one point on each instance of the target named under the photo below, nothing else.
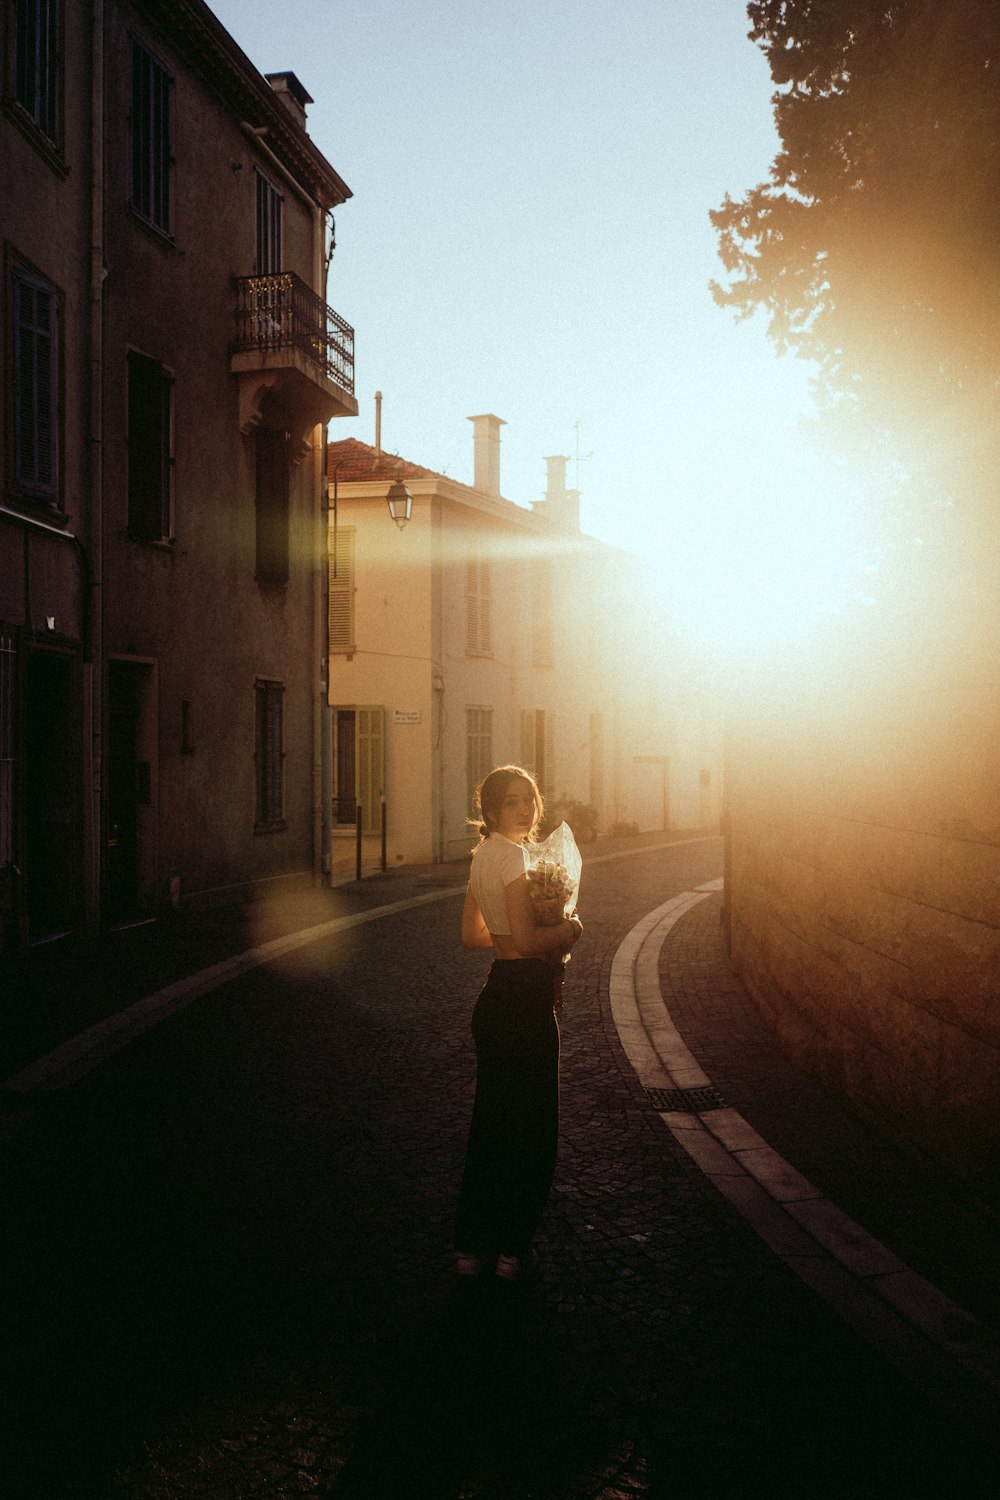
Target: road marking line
(867, 1284)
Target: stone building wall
(864, 895)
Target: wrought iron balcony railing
(281, 312)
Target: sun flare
(758, 561)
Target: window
(8, 663)
(267, 257)
(345, 768)
(151, 139)
(597, 761)
(359, 736)
(478, 606)
(541, 612)
(478, 749)
(269, 754)
(536, 747)
(35, 416)
(150, 449)
(272, 505)
(342, 589)
(36, 62)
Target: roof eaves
(215, 56)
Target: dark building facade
(169, 365)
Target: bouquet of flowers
(553, 874)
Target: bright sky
(529, 236)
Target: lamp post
(400, 503)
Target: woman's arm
(531, 939)
(475, 933)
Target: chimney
(562, 506)
(486, 447)
(292, 95)
(555, 483)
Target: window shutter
(541, 611)
(270, 753)
(149, 442)
(549, 770)
(472, 604)
(342, 591)
(370, 722)
(478, 606)
(485, 607)
(528, 738)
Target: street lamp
(400, 503)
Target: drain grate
(686, 1101)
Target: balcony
(294, 355)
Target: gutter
(93, 669)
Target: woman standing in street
(515, 1119)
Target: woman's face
(517, 813)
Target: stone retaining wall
(864, 904)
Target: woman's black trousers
(511, 1155)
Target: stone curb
(899, 1312)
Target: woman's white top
(496, 864)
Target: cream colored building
(484, 632)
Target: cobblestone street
(229, 1250)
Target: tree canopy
(873, 246)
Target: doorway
(51, 796)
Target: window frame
(269, 225)
(537, 736)
(478, 747)
(151, 158)
(362, 753)
(39, 107)
(24, 480)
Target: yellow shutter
(342, 591)
(478, 606)
(485, 607)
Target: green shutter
(370, 731)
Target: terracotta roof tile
(356, 462)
